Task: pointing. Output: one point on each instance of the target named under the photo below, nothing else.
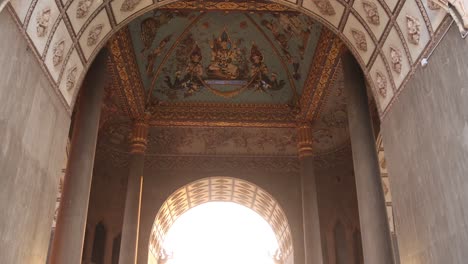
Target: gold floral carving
(71, 77)
(94, 34)
(372, 12)
(327, 55)
(359, 39)
(396, 59)
(58, 52)
(413, 27)
(42, 21)
(381, 82)
(129, 5)
(129, 83)
(325, 7)
(227, 6)
(83, 8)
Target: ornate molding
(139, 137)
(304, 140)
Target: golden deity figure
(224, 56)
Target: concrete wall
(33, 132)
(426, 145)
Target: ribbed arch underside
(221, 189)
(388, 37)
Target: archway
(221, 189)
(388, 38)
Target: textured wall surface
(33, 132)
(426, 146)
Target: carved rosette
(83, 8)
(139, 137)
(304, 140)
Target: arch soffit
(388, 37)
(221, 189)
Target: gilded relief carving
(71, 78)
(381, 82)
(372, 12)
(396, 59)
(325, 7)
(42, 21)
(94, 34)
(413, 27)
(58, 53)
(359, 39)
(83, 8)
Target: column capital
(304, 139)
(139, 136)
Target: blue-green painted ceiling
(218, 57)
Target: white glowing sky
(221, 233)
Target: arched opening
(227, 191)
(220, 232)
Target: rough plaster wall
(158, 185)
(426, 145)
(33, 133)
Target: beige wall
(33, 133)
(426, 147)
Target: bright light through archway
(220, 233)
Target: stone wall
(426, 146)
(33, 134)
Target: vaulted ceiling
(262, 69)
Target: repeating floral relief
(372, 12)
(325, 7)
(381, 82)
(94, 34)
(129, 5)
(71, 77)
(413, 27)
(396, 59)
(42, 21)
(360, 39)
(58, 52)
(83, 8)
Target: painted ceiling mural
(233, 57)
(389, 38)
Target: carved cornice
(327, 57)
(128, 77)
